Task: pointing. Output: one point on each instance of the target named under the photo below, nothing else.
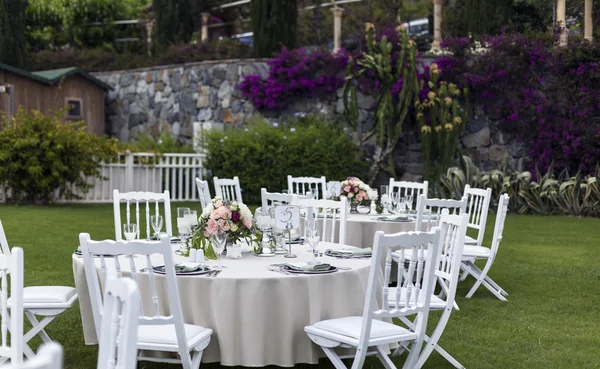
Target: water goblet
(183, 225)
(156, 221)
(409, 202)
(394, 202)
(383, 190)
(218, 244)
(130, 231)
(313, 238)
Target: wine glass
(313, 238)
(409, 202)
(130, 231)
(383, 190)
(263, 223)
(183, 225)
(218, 244)
(309, 226)
(394, 202)
(156, 221)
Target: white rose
(233, 227)
(207, 210)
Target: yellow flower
(457, 120)
(401, 28)
(425, 129)
(452, 85)
(433, 66)
(431, 95)
(430, 84)
(411, 43)
(438, 128)
(457, 92)
(448, 101)
(369, 26)
(448, 127)
(419, 115)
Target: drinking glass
(156, 221)
(313, 238)
(183, 226)
(409, 202)
(263, 223)
(218, 244)
(130, 231)
(383, 190)
(394, 202)
(309, 226)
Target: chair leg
(196, 359)
(334, 358)
(482, 278)
(35, 323)
(384, 358)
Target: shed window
(75, 108)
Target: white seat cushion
(350, 327)
(165, 334)
(48, 294)
(470, 252)
(470, 240)
(436, 302)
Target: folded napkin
(394, 218)
(352, 251)
(306, 267)
(187, 267)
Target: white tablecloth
(258, 316)
(361, 228)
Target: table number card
(287, 217)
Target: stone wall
(173, 98)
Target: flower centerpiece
(356, 191)
(231, 217)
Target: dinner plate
(264, 255)
(160, 269)
(295, 271)
(392, 218)
(348, 256)
(78, 253)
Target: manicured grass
(549, 266)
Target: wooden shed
(51, 90)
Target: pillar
(561, 21)
(588, 22)
(337, 28)
(437, 23)
(149, 28)
(204, 32)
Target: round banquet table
(361, 228)
(257, 315)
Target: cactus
(392, 108)
(441, 120)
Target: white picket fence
(145, 172)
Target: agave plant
(541, 195)
(452, 184)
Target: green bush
(41, 154)
(163, 144)
(263, 154)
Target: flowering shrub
(547, 96)
(294, 74)
(355, 189)
(233, 218)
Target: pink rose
(223, 225)
(212, 227)
(247, 222)
(365, 195)
(359, 197)
(347, 189)
(218, 204)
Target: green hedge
(264, 154)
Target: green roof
(54, 76)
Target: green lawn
(549, 266)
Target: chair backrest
(267, 199)
(3, 241)
(430, 210)
(49, 356)
(120, 256)
(499, 226)
(12, 264)
(478, 207)
(415, 276)
(203, 192)
(119, 322)
(334, 188)
(414, 189)
(228, 188)
(328, 213)
(300, 185)
(137, 198)
(453, 229)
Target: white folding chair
(301, 185)
(267, 199)
(472, 253)
(49, 356)
(11, 264)
(452, 235)
(414, 189)
(429, 211)
(156, 332)
(228, 188)
(203, 192)
(45, 301)
(327, 214)
(367, 331)
(137, 198)
(118, 335)
(478, 207)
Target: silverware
(343, 268)
(215, 272)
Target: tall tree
(174, 21)
(274, 25)
(12, 32)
